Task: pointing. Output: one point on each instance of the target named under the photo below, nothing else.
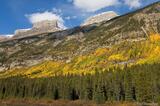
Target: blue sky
(20, 14)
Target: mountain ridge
(94, 24)
(66, 45)
(135, 11)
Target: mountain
(119, 41)
(113, 61)
(105, 16)
(46, 26)
(2, 38)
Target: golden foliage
(101, 51)
(151, 55)
(117, 57)
(142, 52)
(80, 59)
(155, 37)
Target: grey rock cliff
(105, 16)
(38, 28)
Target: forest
(140, 83)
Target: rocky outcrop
(105, 16)
(38, 28)
(3, 38)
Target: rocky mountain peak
(105, 16)
(45, 26)
(46, 23)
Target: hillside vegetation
(116, 60)
(102, 59)
(128, 71)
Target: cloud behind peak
(42, 16)
(94, 5)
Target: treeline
(138, 83)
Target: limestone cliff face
(105, 16)
(38, 28)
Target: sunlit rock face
(38, 28)
(105, 16)
(2, 37)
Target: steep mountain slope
(125, 40)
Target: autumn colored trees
(138, 83)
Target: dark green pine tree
(128, 86)
(143, 85)
(98, 94)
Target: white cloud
(57, 11)
(70, 17)
(38, 17)
(133, 3)
(94, 5)
(9, 35)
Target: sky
(21, 14)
